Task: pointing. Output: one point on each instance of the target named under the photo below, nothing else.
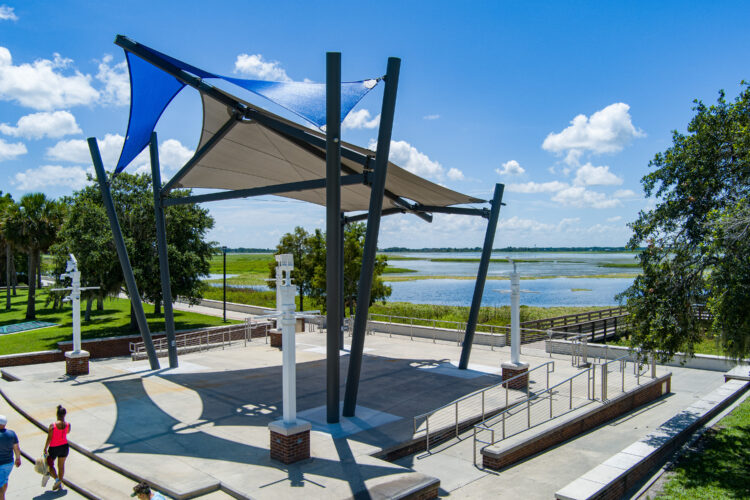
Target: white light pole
(515, 366)
(74, 298)
(288, 430)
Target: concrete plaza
(203, 427)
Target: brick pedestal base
(77, 363)
(511, 370)
(290, 443)
(275, 338)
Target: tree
(309, 273)
(6, 252)
(87, 235)
(32, 226)
(695, 252)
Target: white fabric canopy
(252, 155)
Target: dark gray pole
(122, 253)
(342, 284)
(371, 236)
(224, 251)
(333, 232)
(161, 245)
(484, 263)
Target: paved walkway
(204, 425)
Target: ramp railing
(446, 421)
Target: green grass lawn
(114, 320)
(708, 345)
(718, 466)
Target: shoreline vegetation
(252, 269)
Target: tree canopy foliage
(309, 252)
(86, 233)
(697, 249)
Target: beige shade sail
(253, 155)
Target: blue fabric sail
(307, 100)
(152, 89)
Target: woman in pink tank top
(56, 447)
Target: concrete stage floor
(203, 426)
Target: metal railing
(203, 340)
(538, 408)
(447, 419)
(571, 394)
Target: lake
(552, 286)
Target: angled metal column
(122, 253)
(371, 236)
(161, 246)
(484, 263)
(342, 228)
(333, 232)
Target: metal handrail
(550, 365)
(500, 418)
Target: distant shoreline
(475, 249)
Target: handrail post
(483, 406)
(427, 428)
(571, 394)
(456, 418)
(653, 365)
(604, 382)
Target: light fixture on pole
(224, 252)
(515, 366)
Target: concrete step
(83, 475)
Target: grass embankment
(114, 320)
(506, 278)
(428, 312)
(708, 344)
(718, 466)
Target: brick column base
(77, 363)
(290, 443)
(511, 370)
(275, 338)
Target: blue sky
(564, 102)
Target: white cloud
(172, 154)
(616, 218)
(116, 80)
(578, 196)
(360, 119)
(41, 84)
(517, 223)
(511, 167)
(431, 117)
(7, 13)
(536, 187)
(624, 193)
(50, 176)
(253, 65)
(9, 151)
(45, 124)
(455, 174)
(77, 150)
(589, 175)
(608, 130)
(410, 158)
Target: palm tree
(5, 203)
(32, 226)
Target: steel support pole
(342, 229)
(122, 253)
(371, 236)
(333, 232)
(161, 245)
(8, 258)
(484, 263)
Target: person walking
(8, 448)
(143, 491)
(56, 447)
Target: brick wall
(31, 358)
(648, 392)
